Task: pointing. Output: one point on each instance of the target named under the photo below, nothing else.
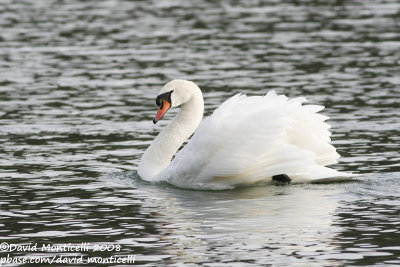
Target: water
(77, 86)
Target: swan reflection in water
(284, 222)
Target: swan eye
(166, 96)
(158, 100)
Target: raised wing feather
(250, 139)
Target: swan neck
(160, 153)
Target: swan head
(174, 94)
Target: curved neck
(159, 154)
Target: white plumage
(247, 140)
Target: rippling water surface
(77, 87)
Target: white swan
(246, 140)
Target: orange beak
(162, 109)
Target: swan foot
(282, 178)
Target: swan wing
(250, 139)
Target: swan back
(250, 139)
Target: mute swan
(246, 140)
